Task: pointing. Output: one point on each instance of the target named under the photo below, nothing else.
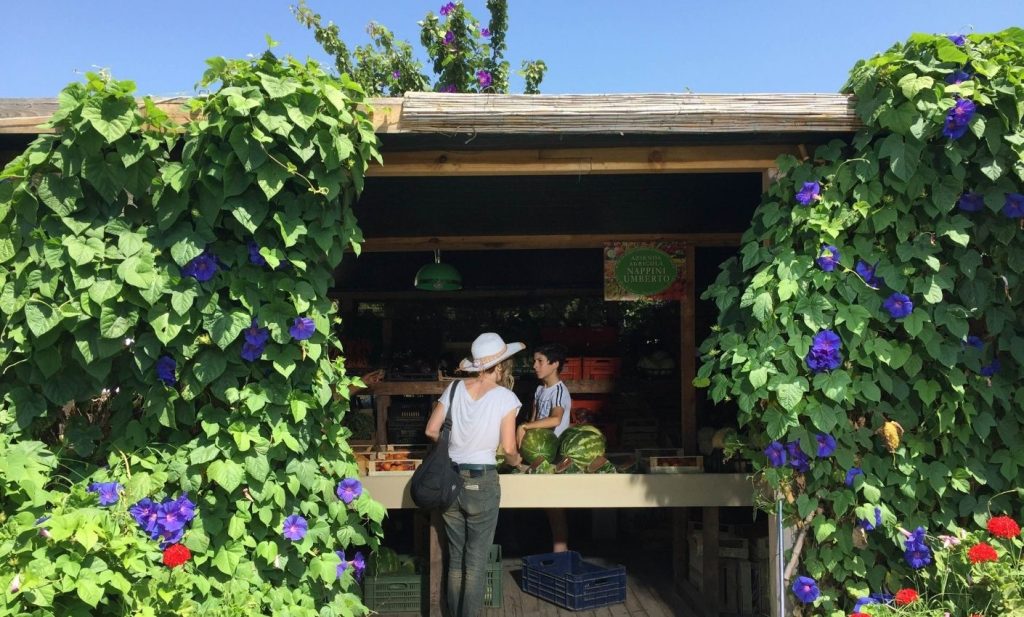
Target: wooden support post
(382, 402)
(711, 578)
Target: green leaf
(276, 87)
(271, 178)
(228, 557)
(209, 366)
(787, 289)
(41, 318)
(102, 290)
(911, 84)
(759, 377)
(226, 327)
(186, 249)
(112, 118)
(59, 193)
(88, 590)
(166, 324)
(790, 395)
(227, 473)
(249, 212)
(181, 301)
(115, 321)
(138, 271)
(763, 306)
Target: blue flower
(343, 564)
(868, 525)
(867, 272)
(824, 354)
(484, 78)
(449, 37)
(862, 602)
(254, 255)
(957, 119)
(974, 341)
(898, 305)
(851, 475)
(202, 267)
(971, 202)
(806, 589)
(302, 328)
(485, 32)
(810, 192)
(145, 513)
(171, 518)
(826, 444)
(991, 368)
(108, 492)
(349, 490)
(828, 258)
(165, 366)
(797, 458)
(255, 341)
(776, 454)
(359, 563)
(958, 39)
(958, 76)
(917, 553)
(295, 528)
(446, 9)
(1014, 206)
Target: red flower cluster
(1003, 527)
(175, 555)
(904, 597)
(859, 615)
(981, 552)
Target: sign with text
(644, 271)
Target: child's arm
(551, 421)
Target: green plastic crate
(492, 593)
(395, 593)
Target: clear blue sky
(589, 45)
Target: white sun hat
(488, 349)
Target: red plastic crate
(587, 410)
(572, 370)
(601, 368)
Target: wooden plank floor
(648, 593)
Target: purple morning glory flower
(252, 352)
(295, 528)
(828, 258)
(917, 554)
(145, 513)
(1014, 206)
(776, 454)
(359, 563)
(349, 490)
(806, 589)
(182, 507)
(824, 354)
(254, 255)
(862, 602)
(826, 444)
(483, 78)
(170, 518)
(867, 272)
(302, 328)
(898, 305)
(991, 368)
(971, 202)
(851, 475)
(485, 32)
(974, 341)
(958, 118)
(810, 192)
(957, 77)
(255, 341)
(797, 459)
(449, 37)
(165, 366)
(448, 88)
(396, 74)
(958, 39)
(202, 267)
(343, 564)
(447, 9)
(867, 525)
(43, 531)
(108, 492)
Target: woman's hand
(520, 433)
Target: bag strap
(446, 428)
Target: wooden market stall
(496, 178)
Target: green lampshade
(438, 277)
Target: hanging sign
(644, 270)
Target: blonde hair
(504, 370)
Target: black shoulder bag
(436, 483)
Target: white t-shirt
(547, 398)
(476, 425)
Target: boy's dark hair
(554, 353)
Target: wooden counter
(594, 490)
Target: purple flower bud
(165, 367)
(851, 475)
(449, 37)
(485, 32)
(828, 258)
(810, 192)
(447, 9)
(958, 39)
(254, 255)
(867, 272)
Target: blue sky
(589, 46)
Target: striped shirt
(547, 398)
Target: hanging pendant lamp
(437, 276)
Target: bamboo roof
(511, 114)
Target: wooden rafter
(521, 242)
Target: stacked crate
(742, 570)
(407, 419)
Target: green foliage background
(888, 197)
(96, 222)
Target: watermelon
(582, 444)
(539, 443)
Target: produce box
(675, 464)
(363, 452)
(600, 369)
(394, 467)
(400, 452)
(568, 581)
(644, 455)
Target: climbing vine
(870, 330)
(172, 398)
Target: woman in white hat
(484, 413)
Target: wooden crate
(675, 464)
(400, 452)
(399, 467)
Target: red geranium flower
(175, 555)
(904, 597)
(859, 615)
(982, 552)
(1003, 527)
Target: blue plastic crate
(568, 581)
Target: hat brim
(511, 349)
